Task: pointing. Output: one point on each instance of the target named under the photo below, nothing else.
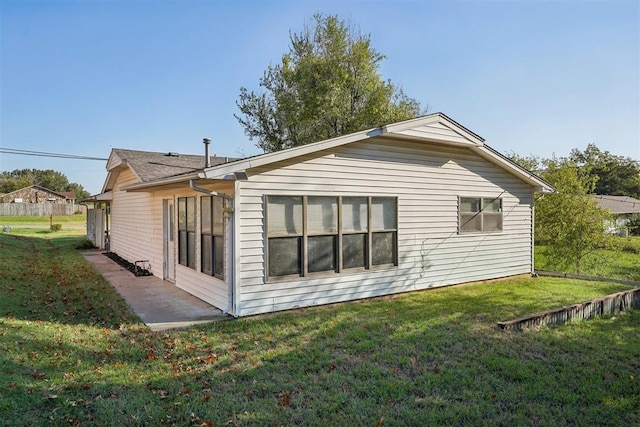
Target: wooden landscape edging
(610, 304)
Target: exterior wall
(137, 234)
(427, 179)
(207, 288)
(134, 224)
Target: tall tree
(327, 85)
(569, 221)
(616, 175)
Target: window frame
(213, 236)
(187, 236)
(483, 202)
(303, 255)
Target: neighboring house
(38, 194)
(413, 205)
(622, 209)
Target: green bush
(56, 227)
(626, 244)
(634, 226)
(85, 244)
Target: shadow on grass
(423, 358)
(49, 280)
(403, 361)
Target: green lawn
(72, 354)
(44, 221)
(623, 262)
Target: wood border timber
(610, 304)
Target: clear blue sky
(532, 77)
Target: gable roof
(618, 204)
(62, 195)
(149, 166)
(432, 128)
(158, 169)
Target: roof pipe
(207, 159)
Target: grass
(621, 261)
(44, 221)
(71, 353)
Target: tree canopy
(327, 85)
(50, 179)
(616, 175)
(569, 221)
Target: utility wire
(45, 154)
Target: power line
(45, 154)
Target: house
(622, 208)
(38, 194)
(412, 205)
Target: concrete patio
(159, 304)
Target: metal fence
(39, 209)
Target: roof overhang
(102, 197)
(539, 185)
(163, 184)
(436, 128)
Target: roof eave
(539, 185)
(397, 130)
(162, 183)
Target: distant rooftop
(618, 204)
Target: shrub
(626, 244)
(85, 244)
(56, 227)
(634, 226)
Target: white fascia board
(408, 125)
(114, 161)
(540, 185)
(221, 171)
(106, 186)
(104, 196)
(161, 182)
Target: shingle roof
(150, 166)
(618, 204)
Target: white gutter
(193, 186)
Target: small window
(355, 232)
(478, 214)
(322, 233)
(187, 231)
(383, 227)
(212, 235)
(284, 234)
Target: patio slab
(160, 304)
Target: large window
(187, 231)
(313, 234)
(480, 214)
(212, 236)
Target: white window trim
(305, 274)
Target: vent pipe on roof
(207, 160)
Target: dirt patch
(136, 270)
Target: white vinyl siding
(137, 234)
(427, 181)
(136, 224)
